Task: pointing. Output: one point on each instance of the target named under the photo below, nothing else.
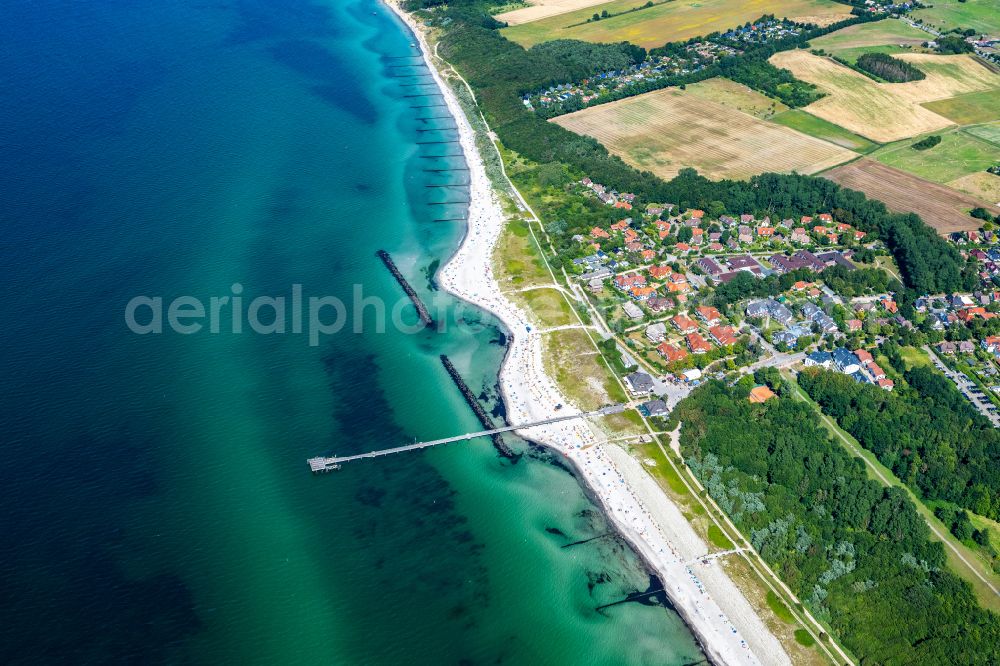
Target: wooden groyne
(422, 312)
(484, 418)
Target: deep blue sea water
(156, 503)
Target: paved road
(968, 388)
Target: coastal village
(656, 68)
(655, 273)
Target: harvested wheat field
(856, 102)
(886, 112)
(540, 9)
(941, 207)
(947, 76)
(665, 21)
(981, 184)
(667, 130)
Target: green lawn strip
(803, 638)
(958, 154)
(549, 305)
(884, 475)
(914, 357)
(777, 605)
(718, 539)
(807, 123)
(968, 109)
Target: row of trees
(857, 553)
(926, 433)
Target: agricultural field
(990, 132)
(822, 129)
(959, 154)
(675, 20)
(980, 107)
(941, 207)
(886, 112)
(667, 130)
(539, 9)
(981, 185)
(737, 96)
(980, 15)
(887, 36)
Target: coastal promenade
(724, 622)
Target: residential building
(639, 383)
(683, 323)
(671, 352)
(656, 332)
(708, 314)
(724, 336)
(698, 344)
(633, 311)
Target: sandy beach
(725, 624)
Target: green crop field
(887, 36)
(668, 22)
(989, 133)
(822, 129)
(958, 154)
(980, 15)
(978, 107)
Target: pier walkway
(321, 464)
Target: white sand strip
(630, 498)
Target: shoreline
(628, 496)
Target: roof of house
(683, 323)
(724, 335)
(672, 352)
(708, 313)
(697, 343)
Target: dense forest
(857, 553)
(927, 434)
(888, 68)
(500, 72)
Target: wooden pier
(321, 464)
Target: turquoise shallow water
(157, 503)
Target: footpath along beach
(728, 629)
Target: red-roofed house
(708, 314)
(723, 335)
(683, 323)
(642, 293)
(698, 344)
(697, 214)
(659, 272)
(672, 352)
(597, 232)
(627, 281)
